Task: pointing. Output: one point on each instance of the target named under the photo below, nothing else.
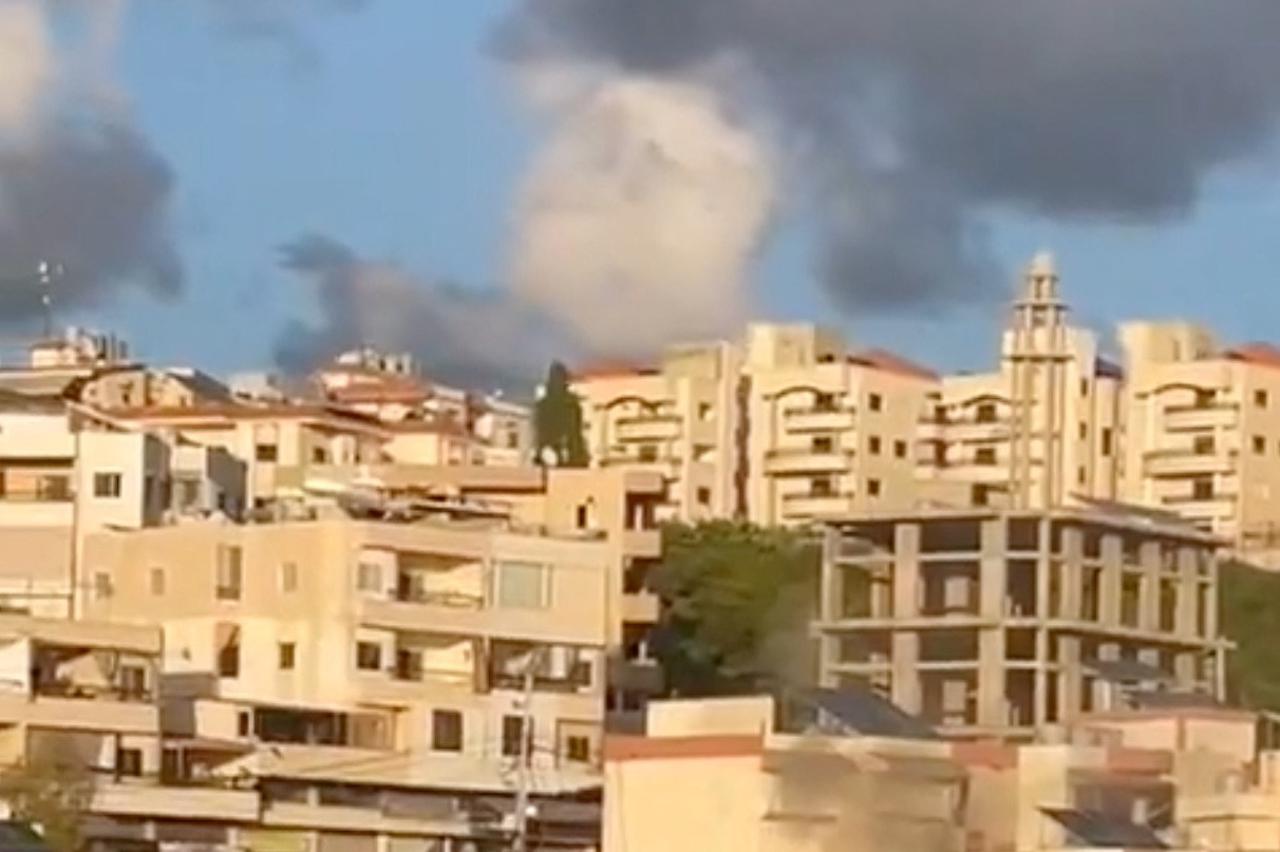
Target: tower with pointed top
(1037, 354)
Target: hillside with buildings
(367, 611)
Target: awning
(1127, 671)
(1103, 831)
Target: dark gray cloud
(477, 339)
(907, 119)
(93, 196)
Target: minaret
(1037, 354)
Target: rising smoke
(484, 340)
(78, 184)
(896, 127)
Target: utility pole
(520, 843)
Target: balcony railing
(1200, 416)
(807, 460)
(1188, 461)
(820, 418)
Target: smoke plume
(479, 339)
(902, 125)
(639, 219)
(79, 186)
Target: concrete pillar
(907, 693)
(1112, 570)
(1188, 588)
(1069, 695)
(1149, 607)
(991, 644)
(906, 570)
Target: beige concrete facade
(716, 775)
(1204, 432)
(991, 623)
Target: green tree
(558, 420)
(1249, 610)
(52, 790)
(737, 604)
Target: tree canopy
(558, 420)
(51, 790)
(1249, 610)
(738, 601)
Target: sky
(396, 149)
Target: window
(822, 486)
(986, 413)
(1202, 445)
(287, 654)
(133, 681)
(523, 585)
(229, 659)
(513, 440)
(577, 749)
(704, 496)
(900, 449)
(1260, 398)
(981, 494)
(824, 444)
(985, 455)
(369, 577)
(512, 730)
(1259, 444)
(1084, 387)
(230, 571)
(873, 445)
(1084, 431)
(106, 484)
(1106, 442)
(1202, 489)
(1082, 475)
(129, 762)
(288, 577)
(824, 402)
(101, 586)
(583, 513)
(704, 411)
(265, 453)
(319, 455)
(368, 656)
(875, 402)
(873, 487)
(243, 724)
(446, 730)
(157, 581)
(648, 452)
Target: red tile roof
(882, 359)
(1265, 354)
(611, 370)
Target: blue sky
(395, 132)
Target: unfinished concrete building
(990, 622)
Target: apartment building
(680, 420)
(1042, 430)
(996, 623)
(470, 428)
(63, 472)
(1204, 432)
(619, 507)
(831, 432)
(389, 656)
(721, 774)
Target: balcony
(90, 714)
(805, 460)
(963, 431)
(806, 505)
(175, 801)
(1187, 461)
(642, 544)
(664, 464)
(819, 419)
(442, 612)
(1188, 418)
(648, 428)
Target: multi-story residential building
(992, 622)
(617, 506)
(831, 432)
(411, 656)
(682, 420)
(64, 471)
(1204, 432)
(1039, 432)
(468, 428)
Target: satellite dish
(549, 457)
